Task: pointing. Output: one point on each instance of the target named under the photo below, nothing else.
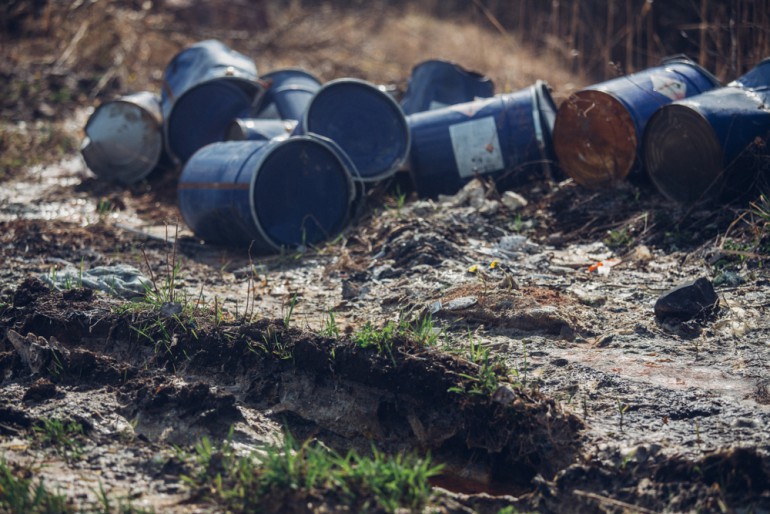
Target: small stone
(461, 303)
(728, 278)
(514, 201)
(687, 301)
(170, 309)
(641, 254)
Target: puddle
(658, 371)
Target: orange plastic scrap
(603, 267)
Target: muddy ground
(586, 402)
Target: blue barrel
(205, 87)
(268, 194)
(711, 147)
(503, 137)
(287, 93)
(598, 132)
(124, 138)
(259, 129)
(364, 121)
(435, 84)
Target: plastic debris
(513, 201)
(119, 280)
(603, 267)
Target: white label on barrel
(668, 86)
(476, 146)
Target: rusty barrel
(710, 147)
(435, 83)
(269, 195)
(259, 129)
(366, 123)
(503, 137)
(598, 132)
(287, 93)
(124, 138)
(205, 87)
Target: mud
(600, 406)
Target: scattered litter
(119, 280)
(515, 244)
(460, 303)
(513, 201)
(728, 278)
(603, 267)
(489, 208)
(588, 298)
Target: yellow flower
(473, 269)
(493, 264)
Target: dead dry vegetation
(436, 357)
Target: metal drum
(598, 131)
(501, 137)
(364, 121)
(124, 138)
(205, 87)
(435, 84)
(711, 146)
(259, 129)
(268, 194)
(287, 93)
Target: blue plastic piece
(287, 93)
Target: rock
(41, 390)
(514, 201)
(687, 301)
(461, 303)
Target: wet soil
(598, 406)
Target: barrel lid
(365, 122)
(203, 114)
(302, 191)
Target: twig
(628, 507)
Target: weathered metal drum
(598, 132)
(287, 93)
(124, 138)
(205, 87)
(501, 137)
(364, 121)
(435, 84)
(267, 194)
(711, 146)
(259, 129)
